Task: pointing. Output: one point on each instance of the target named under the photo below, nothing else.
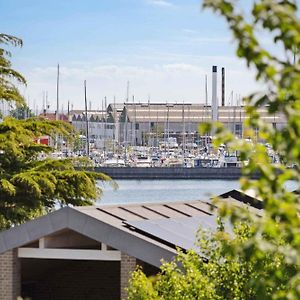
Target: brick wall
(128, 265)
(10, 280)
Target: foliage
(29, 185)
(79, 143)
(8, 89)
(266, 263)
(214, 272)
(21, 112)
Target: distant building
(52, 116)
(150, 123)
(47, 140)
(146, 122)
(44, 140)
(101, 126)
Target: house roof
(247, 197)
(111, 224)
(89, 112)
(149, 232)
(52, 116)
(189, 113)
(162, 112)
(115, 106)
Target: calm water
(138, 191)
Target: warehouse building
(147, 124)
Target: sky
(164, 48)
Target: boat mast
(44, 105)
(157, 143)
(189, 133)
(87, 142)
(183, 130)
(105, 121)
(149, 134)
(115, 123)
(234, 115)
(133, 126)
(241, 124)
(57, 105)
(57, 95)
(206, 92)
(125, 129)
(47, 104)
(168, 128)
(165, 129)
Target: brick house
(89, 252)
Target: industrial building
(147, 123)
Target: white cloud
(179, 80)
(162, 3)
(182, 68)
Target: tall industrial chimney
(223, 86)
(214, 101)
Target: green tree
(263, 260)
(9, 76)
(29, 185)
(211, 273)
(21, 112)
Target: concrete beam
(76, 254)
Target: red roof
(52, 117)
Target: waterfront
(138, 191)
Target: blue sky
(163, 48)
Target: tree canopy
(9, 77)
(21, 112)
(262, 259)
(29, 185)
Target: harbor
(171, 161)
(135, 139)
(171, 173)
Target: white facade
(101, 132)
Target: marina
(150, 151)
(147, 140)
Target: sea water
(140, 191)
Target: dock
(171, 173)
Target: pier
(171, 173)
